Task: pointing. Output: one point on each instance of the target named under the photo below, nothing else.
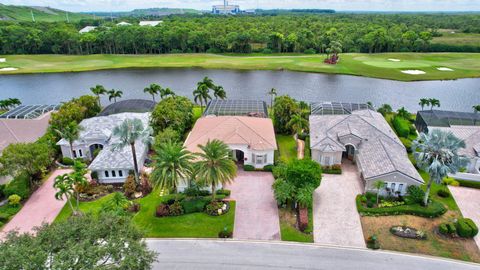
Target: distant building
(150, 23)
(123, 24)
(87, 29)
(226, 8)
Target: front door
(350, 153)
(239, 156)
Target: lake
(53, 88)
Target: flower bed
(434, 209)
(217, 208)
(408, 232)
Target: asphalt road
(219, 254)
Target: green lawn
(369, 65)
(287, 147)
(288, 231)
(198, 225)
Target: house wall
(248, 154)
(324, 157)
(102, 177)
(85, 149)
(184, 184)
(393, 178)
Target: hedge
(401, 126)
(467, 183)
(464, 229)
(434, 209)
(248, 168)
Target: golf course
(394, 66)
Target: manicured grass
(287, 147)
(369, 65)
(92, 207)
(288, 230)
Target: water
(53, 88)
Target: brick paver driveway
(468, 200)
(256, 213)
(336, 220)
(41, 207)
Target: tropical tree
(153, 89)
(219, 92)
(64, 186)
(201, 95)
(207, 82)
(116, 204)
(127, 134)
(165, 92)
(70, 133)
(297, 124)
(114, 94)
(273, 94)
(13, 102)
(78, 179)
(476, 109)
(378, 185)
(215, 167)
(4, 105)
(402, 112)
(98, 90)
(385, 109)
(172, 164)
(433, 103)
(437, 154)
(424, 102)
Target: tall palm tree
(4, 105)
(78, 179)
(153, 89)
(402, 112)
(172, 163)
(297, 124)
(215, 167)
(63, 185)
(273, 94)
(476, 109)
(437, 154)
(114, 94)
(208, 82)
(433, 103)
(13, 102)
(98, 90)
(201, 95)
(129, 132)
(378, 185)
(70, 133)
(165, 92)
(219, 92)
(424, 102)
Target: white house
(123, 24)
(150, 23)
(111, 166)
(87, 29)
(359, 134)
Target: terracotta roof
(22, 130)
(257, 133)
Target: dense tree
(74, 111)
(283, 110)
(174, 112)
(385, 109)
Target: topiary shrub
(20, 186)
(451, 228)
(175, 209)
(94, 175)
(225, 233)
(162, 210)
(449, 181)
(373, 243)
(268, 168)
(443, 229)
(473, 226)
(443, 193)
(464, 229)
(129, 187)
(14, 200)
(248, 168)
(67, 161)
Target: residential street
(468, 200)
(220, 254)
(336, 220)
(41, 207)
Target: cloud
(375, 5)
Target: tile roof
(471, 136)
(22, 130)
(257, 133)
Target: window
(260, 159)
(265, 158)
(400, 187)
(74, 154)
(80, 154)
(393, 187)
(114, 174)
(106, 174)
(326, 160)
(120, 173)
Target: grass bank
(463, 65)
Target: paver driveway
(336, 220)
(468, 200)
(256, 213)
(41, 207)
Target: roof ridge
(263, 138)
(204, 134)
(399, 143)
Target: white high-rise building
(226, 8)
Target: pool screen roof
(29, 111)
(129, 105)
(437, 118)
(237, 108)
(337, 108)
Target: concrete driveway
(468, 200)
(41, 207)
(336, 220)
(256, 213)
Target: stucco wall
(335, 157)
(248, 155)
(396, 177)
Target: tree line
(289, 33)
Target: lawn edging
(434, 209)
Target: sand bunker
(413, 72)
(8, 69)
(3, 60)
(444, 69)
(394, 60)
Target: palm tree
(153, 90)
(13, 102)
(114, 94)
(297, 124)
(273, 94)
(433, 103)
(4, 105)
(172, 163)
(402, 112)
(219, 92)
(437, 154)
(424, 102)
(208, 82)
(201, 95)
(129, 132)
(78, 179)
(98, 90)
(378, 185)
(70, 133)
(64, 186)
(165, 92)
(476, 109)
(385, 109)
(215, 167)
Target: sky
(347, 5)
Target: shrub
(14, 200)
(302, 219)
(310, 51)
(443, 193)
(434, 209)
(145, 184)
(20, 186)
(267, 51)
(473, 226)
(94, 175)
(470, 184)
(4, 217)
(464, 229)
(407, 143)
(401, 126)
(334, 169)
(194, 205)
(443, 229)
(213, 207)
(370, 204)
(268, 168)
(134, 207)
(248, 168)
(162, 210)
(67, 161)
(451, 228)
(225, 192)
(373, 243)
(451, 182)
(413, 130)
(415, 193)
(225, 233)
(175, 209)
(195, 191)
(172, 112)
(129, 187)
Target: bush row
(464, 227)
(401, 126)
(251, 168)
(334, 169)
(467, 183)
(434, 209)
